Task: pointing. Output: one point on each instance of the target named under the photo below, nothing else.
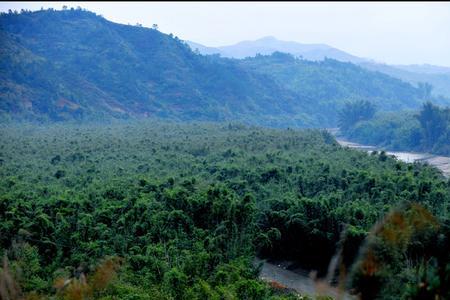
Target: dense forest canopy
(186, 207)
(76, 65)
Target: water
(440, 162)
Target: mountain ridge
(77, 65)
(438, 76)
(269, 44)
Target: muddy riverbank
(284, 274)
(440, 162)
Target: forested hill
(76, 65)
(331, 83)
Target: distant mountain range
(437, 76)
(268, 45)
(76, 65)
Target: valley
(136, 165)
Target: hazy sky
(391, 32)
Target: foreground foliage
(179, 211)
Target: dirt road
(298, 280)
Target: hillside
(329, 82)
(75, 65)
(437, 76)
(81, 65)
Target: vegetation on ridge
(76, 65)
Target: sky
(390, 32)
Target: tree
(433, 123)
(425, 90)
(175, 282)
(353, 112)
(155, 26)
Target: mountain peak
(270, 44)
(267, 39)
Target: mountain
(58, 65)
(437, 76)
(268, 45)
(76, 65)
(328, 83)
(204, 49)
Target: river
(440, 162)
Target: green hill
(331, 83)
(76, 65)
